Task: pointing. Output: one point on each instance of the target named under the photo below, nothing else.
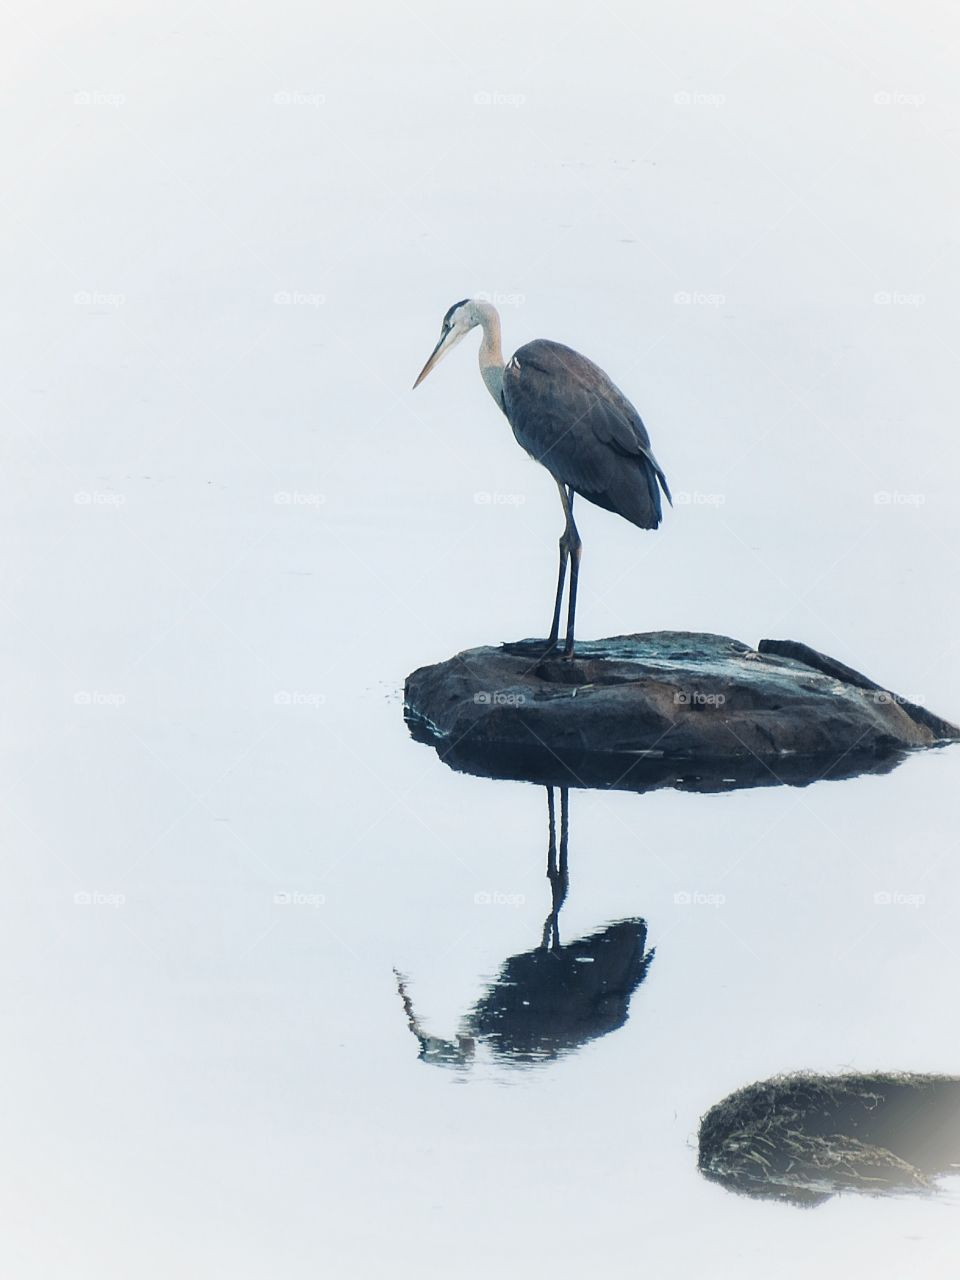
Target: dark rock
(666, 708)
(941, 729)
(804, 1138)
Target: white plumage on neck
(491, 354)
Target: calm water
(229, 531)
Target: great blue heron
(568, 415)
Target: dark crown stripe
(446, 318)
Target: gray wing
(567, 414)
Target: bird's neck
(491, 355)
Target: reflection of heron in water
(548, 1002)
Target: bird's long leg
(561, 578)
(574, 546)
(569, 547)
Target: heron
(572, 419)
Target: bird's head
(457, 323)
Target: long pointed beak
(439, 351)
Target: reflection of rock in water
(552, 1000)
(804, 1138)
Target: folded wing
(568, 415)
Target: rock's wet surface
(666, 708)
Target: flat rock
(664, 708)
